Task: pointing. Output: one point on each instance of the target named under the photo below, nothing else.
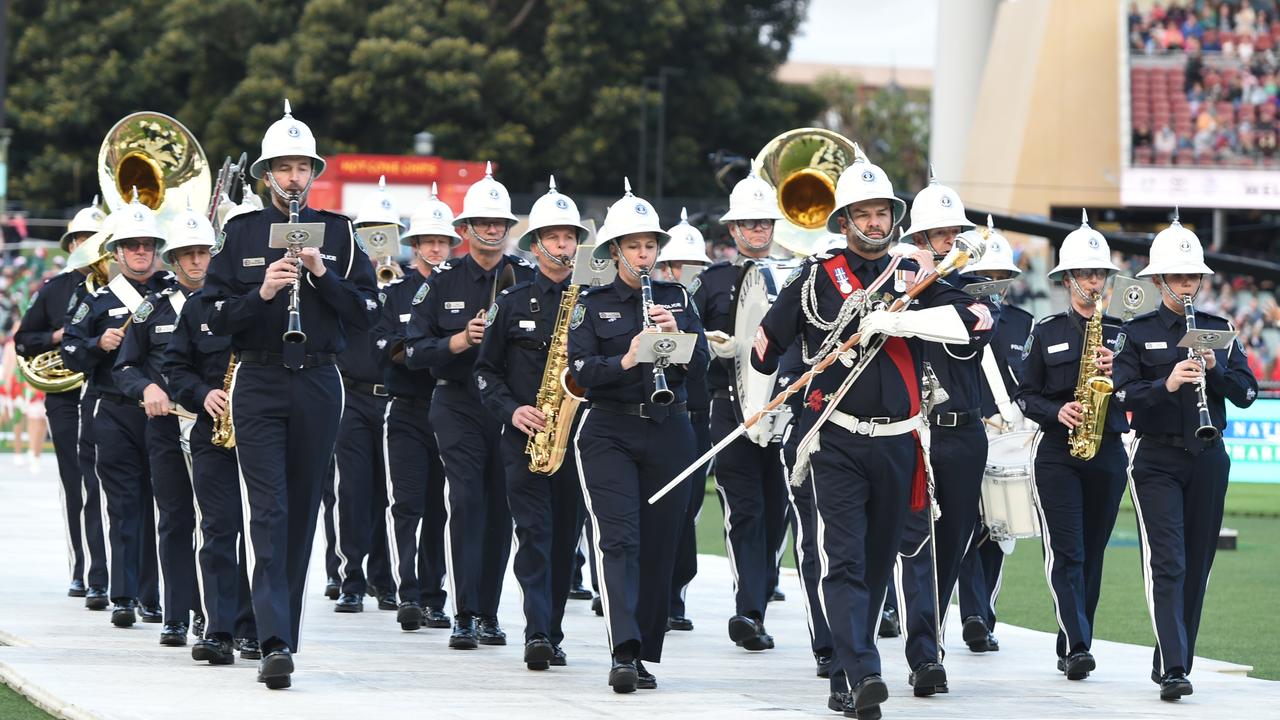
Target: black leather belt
(953, 419)
(410, 400)
(721, 394)
(374, 389)
(312, 360)
(644, 410)
(1169, 440)
(118, 399)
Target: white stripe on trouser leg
(246, 507)
(824, 560)
(202, 588)
(728, 524)
(901, 595)
(596, 552)
(1148, 567)
(102, 494)
(448, 536)
(336, 510)
(393, 549)
(1045, 540)
(66, 527)
(84, 488)
(799, 545)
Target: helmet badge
(191, 223)
(493, 193)
(945, 201)
(294, 131)
(868, 176)
(1093, 243)
(1185, 245)
(137, 216)
(562, 204)
(437, 214)
(641, 209)
(386, 204)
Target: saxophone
(224, 432)
(558, 395)
(1093, 391)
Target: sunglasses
(755, 224)
(135, 245)
(1090, 274)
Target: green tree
(890, 123)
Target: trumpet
(388, 269)
(1206, 431)
(662, 395)
(293, 332)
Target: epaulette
(824, 255)
(168, 291)
(1044, 320)
(1111, 320)
(522, 261)
(716, 266)
(442, 267)
(331, 213)
(518, 286)
(99, 292)
(1145, 315)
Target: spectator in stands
(1166, 142)
(1141, 135)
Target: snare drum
(1008, 498)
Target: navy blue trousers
(686, 565)
(90, 519)
(980, 575)
(1078, 501)
(1179, 497)
(220, 547)
(416, 512)
(176, 519)
(622, 460)
(124, 471)
(286, 422)
(806, 549)
(360, 487)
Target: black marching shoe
(434, 617)
(927, 679)
(778, 596)
(96, 598)
(124, 614)
(275, 669)
(679, 622)
(558, 658)
(645, 679)
(579, 592)
(1174, 685)
(150, 613)
(748, 633)
(623, 676)
(867, 696)
(409, 616)
(249, 648)
(975, 634)
(1077, 665)
(597, 606)
(197, 625)
(213, 651)
(349, 603)
(823, 661)
(538, 653)
(890, 626)
(77, 589)
(174, 634)
(332, 588)
(490, 633)
(464, 633)
(387, 601)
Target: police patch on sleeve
(359, 242)
(695, 285)
(71, 303)
(491, 316)
(1120, 342)
(217, 244)
(1026, 346)
(792, 277)
(579, 314)
(80, 313)
(421, 294)
(143, 312)
(382, 297)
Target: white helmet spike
(626, 184)
(288, 111)
(933, 176)
(991, 225)
(684, 215)
(488, 168)
(551, 184)
(859, 155)
(434, 192)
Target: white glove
(722, 344)
(937, 324)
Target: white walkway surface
(73, 663)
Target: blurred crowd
(22, 416)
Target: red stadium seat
(1142, 156)
(1163, 159)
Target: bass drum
(1008, 497)
(757, 288)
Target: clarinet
(1206, 431)
(293, 333)
(662, 395)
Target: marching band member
(687, 247)
(522, 327)
(983, 564)
(139, 375)
(748, 473)
(627, 444)
(415, 476)
(287, 396)
(197, 364)
(1078, 497)
(1179, 467)
(444, 330)
(90, 345)
(958, 441)
(41, 330)
(360, 477)
(864, 466)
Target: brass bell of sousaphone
(161, 158)
(803, 165)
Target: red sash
(900, 354)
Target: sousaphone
(804, 165)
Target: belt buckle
(644, 411)
(863, 427)
(947, 419)
(379, 390)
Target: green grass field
(1238, 623)
(15, 707)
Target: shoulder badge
(80, 313)
(579, 314)
(792, 277)
(421, 294)
(217, 244)
(71, 302)
(382, 298)
(1240, 346)
(1026, 346)
(491, 315)
(359, 242)
(695, 285)
(1120, 342)
(143, 312)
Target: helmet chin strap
(1079, 291)
(741, 238)
(864, 242)
(1177, 299)
(430, 265)
(284, 194)
(488, 243)
(563, 261)
(190, 281)
(623, 258)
